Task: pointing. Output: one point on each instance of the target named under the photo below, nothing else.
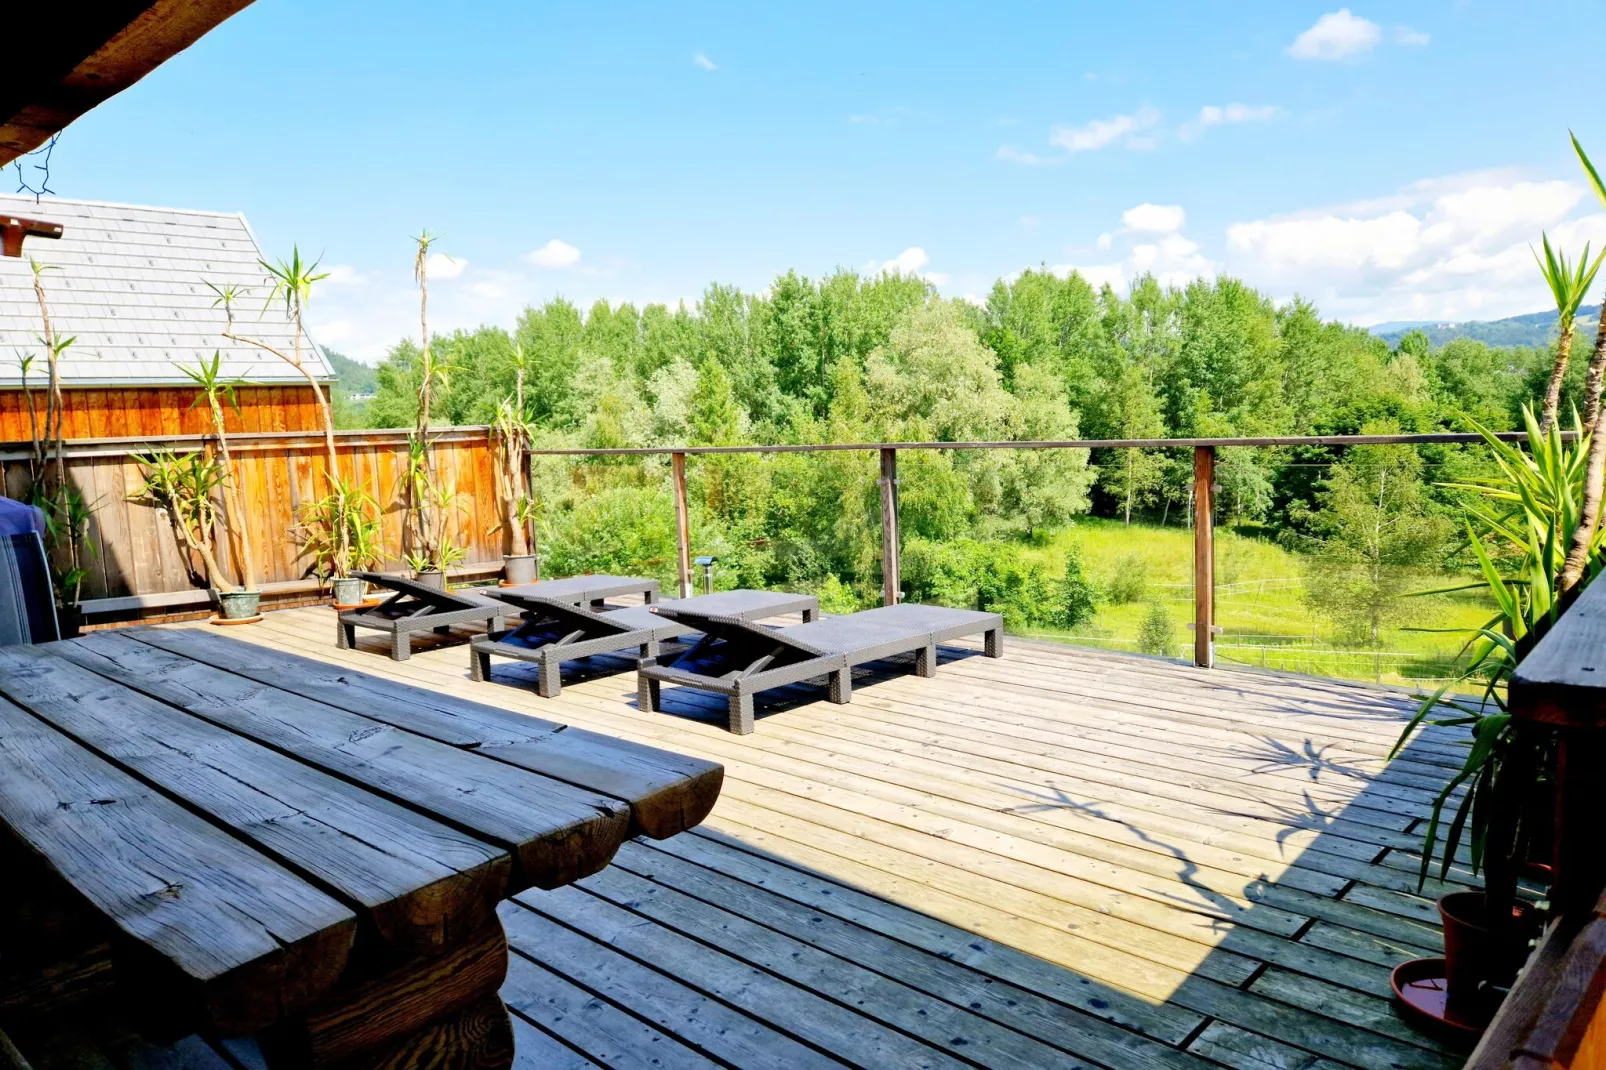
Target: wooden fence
(140, 565)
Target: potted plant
(511, 435)
(1505, 811)
(185, 487)
(243, 602)
(67, 514)
(340, 531)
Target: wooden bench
(258, 843)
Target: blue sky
(1389, 162)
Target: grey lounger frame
(415, 608)
(554, 631)
(739, 659)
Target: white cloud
(704, 62)
(1227, 115)
(1154, 218)
(1125, 130)
(1337, 35)
(1162, 250)
(441, 266)
(554, 254)
(1404, 35)
(1453, 248)
(909, 262)
(1031, 159)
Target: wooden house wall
(278, 473)
(117, 412)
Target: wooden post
(889, 527)
(677, 466)
(1204, 556)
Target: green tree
(1158, 634)
(1374, 535)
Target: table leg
(437, 1008)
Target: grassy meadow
(1260, 604)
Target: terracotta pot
(238, 605)
(431, 578)
(1476, 955)
(518, 568)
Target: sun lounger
(739, 659)
(555, 631)
(416, 608)
(580, 590)
(742, 605)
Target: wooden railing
(141, 567)
(1203, 495)
(1554, 1016)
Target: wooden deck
(1063, 858)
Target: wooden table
(277, 845)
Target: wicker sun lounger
(416, 608)
(580, 590)
(555, 631)
(742, 605)
(739, 659)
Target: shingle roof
(131, 286)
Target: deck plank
(1173, 866)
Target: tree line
(850, 357)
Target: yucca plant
(512, 434)
(1524, 514)
(431, 373)
(1569, 284)
(214, 390)
(340, 531)
(185, 486)
(1582, 539)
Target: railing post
(1204, 556)
(889, 527)
(677, 466)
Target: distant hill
(1531, 329)
(356, 378)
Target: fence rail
(277, 473)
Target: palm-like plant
(1524, 513)
(290, 284)
(431, 374)
(215, 390)
(512, 434)
(340, 531)
(183, 486)
(1569, 285)
(1582, 539)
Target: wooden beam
(890, 578)
(677, 464)
(15, 228)
(72, 57)
(1204, 556)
